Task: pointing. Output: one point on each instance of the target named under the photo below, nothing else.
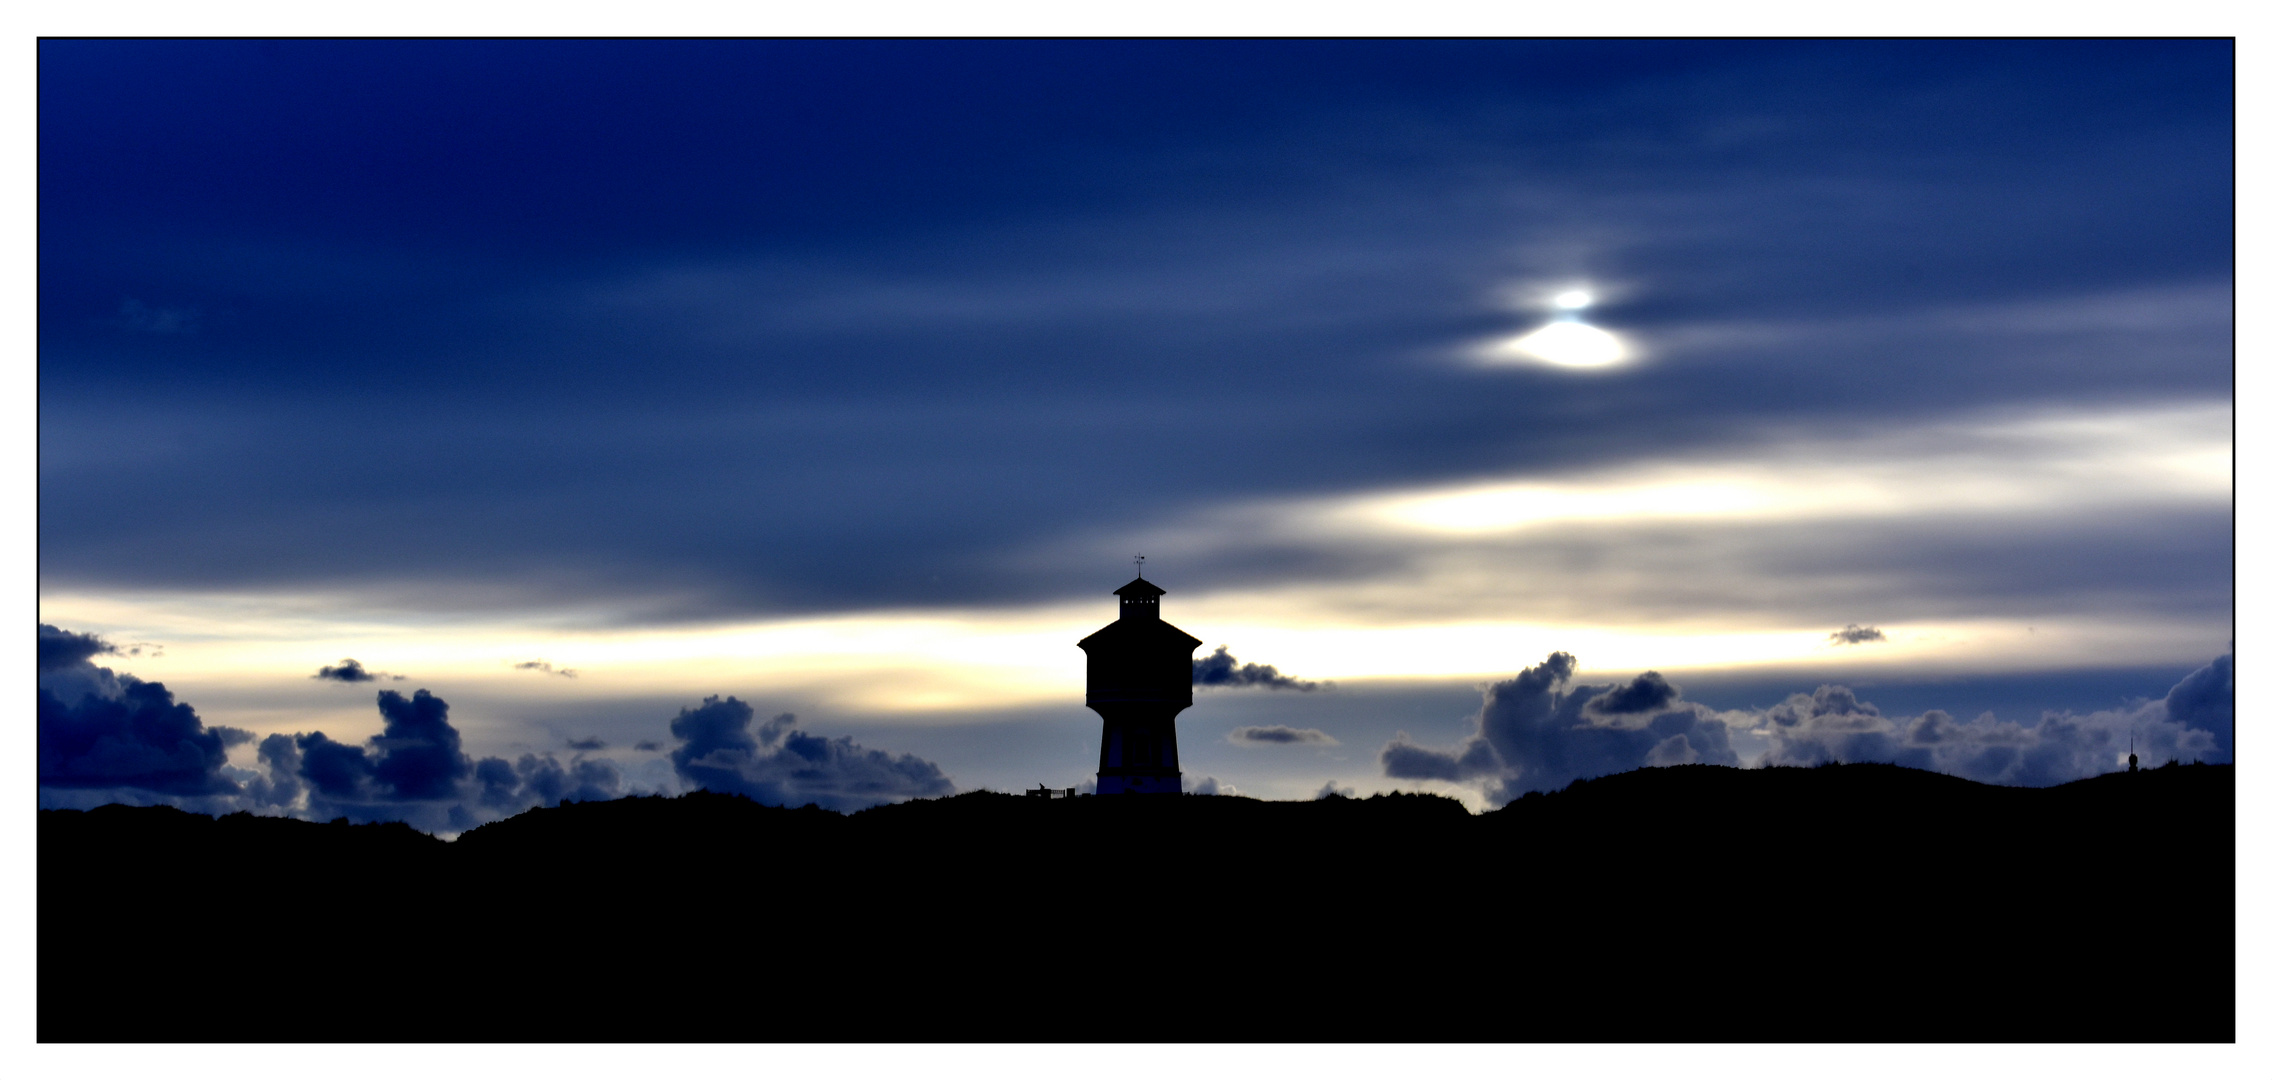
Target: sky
(774, 415)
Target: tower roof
(1139, 587)
(1142, 635)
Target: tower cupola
(1139, 599)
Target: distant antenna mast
(1139, 568)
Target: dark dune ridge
(1690, 904)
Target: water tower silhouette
(1139, 678)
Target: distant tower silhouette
(1139, 678)
(2133, 753)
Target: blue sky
(844, 378)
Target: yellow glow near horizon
(1459, 602)
(923, 663)
(883, 662)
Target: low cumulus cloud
(1335, 790)
(781, 766)
(415, 759)
(100, 730)
(542, 780)
(546, 667)
(1220, 668)
(1208, 785)
(351, 670)
(417, 770)
(1538, 732)
(1856, 635)
(1280, 735)
(278, 786)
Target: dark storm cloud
(143, 738)
(110, 737)
(540, 665)
(59, 649)
(1220, 668)
(418, 752)
(334, 770)
(916, 292)
(411, 771)
(1280, 735)
(1536, 732)
(351, 671)
(283, 784)
(102, 730)
(1856, 635)
(781, 766)
(1648, 693)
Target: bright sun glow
(1567, 343)
(1573, 300)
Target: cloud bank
(107, 737)
(1537, 732)
(2194, 721)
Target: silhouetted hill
(1854, 902)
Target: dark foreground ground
(1691, 904)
